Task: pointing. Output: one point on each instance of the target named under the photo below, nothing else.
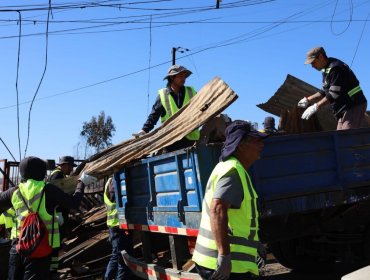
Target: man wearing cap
(227, 241)
(269, 125)
(340, 88)
(64, 168)
(169, 100)
(33, 191)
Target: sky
(112, 55)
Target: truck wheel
(302, 255)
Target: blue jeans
(116, 268)
(30, 269)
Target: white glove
(138, 134)
(303, 103)
(309, 111)
(87, 179)
(223, 268)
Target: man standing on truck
(227, 241)
(120, 240)
(169, 100)
(34, 193)
(340, 88)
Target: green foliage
(98, 132)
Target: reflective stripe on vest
(171, 108)
(242, 225)
(56, 170)
(31, 192)
(54, 263)
(9, 218)
(112, 212)
(352, 92)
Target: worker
(63, 170)
(33, 172)
(269, 125)
(119, 238)
(340, 88)
(227, 242)
(169, 100)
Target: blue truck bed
(296, 174)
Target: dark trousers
(21, 268)
(206, 273)
(116, 268)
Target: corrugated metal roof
(288, 95)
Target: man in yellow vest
(169, 100)
(64, 168)
(33, 172)
(119, 238)
(227, 241)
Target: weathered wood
(212, 99)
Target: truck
(313, 192)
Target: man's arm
(314, 96)
(219, 225)
(6, 199)
(154, 116)
(56, 197)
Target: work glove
(261, 255)
(139, 133)
(309, 111)
(223, 268)
(303, 103)
(87, 179)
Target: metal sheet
(288, 95)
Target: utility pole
(178, 49)
(173, 56)
(218, 4)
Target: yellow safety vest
(242, 225)
(31, 192)
(7, 218)
(171, 108)
(112, 212)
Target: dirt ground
(275, 271)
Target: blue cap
(235, 132)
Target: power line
(42, 76)
(150, 59)
(16, 83)
(1, 139)
(231, 41)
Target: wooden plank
(211, 100)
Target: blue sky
(113, 56)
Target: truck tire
(302, 255)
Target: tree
(98, 132)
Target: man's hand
(309, 111)
(303, 103)
(223, 268)
(139, 133)
(87, 179)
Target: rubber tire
(302, 255)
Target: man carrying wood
(169, 100)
